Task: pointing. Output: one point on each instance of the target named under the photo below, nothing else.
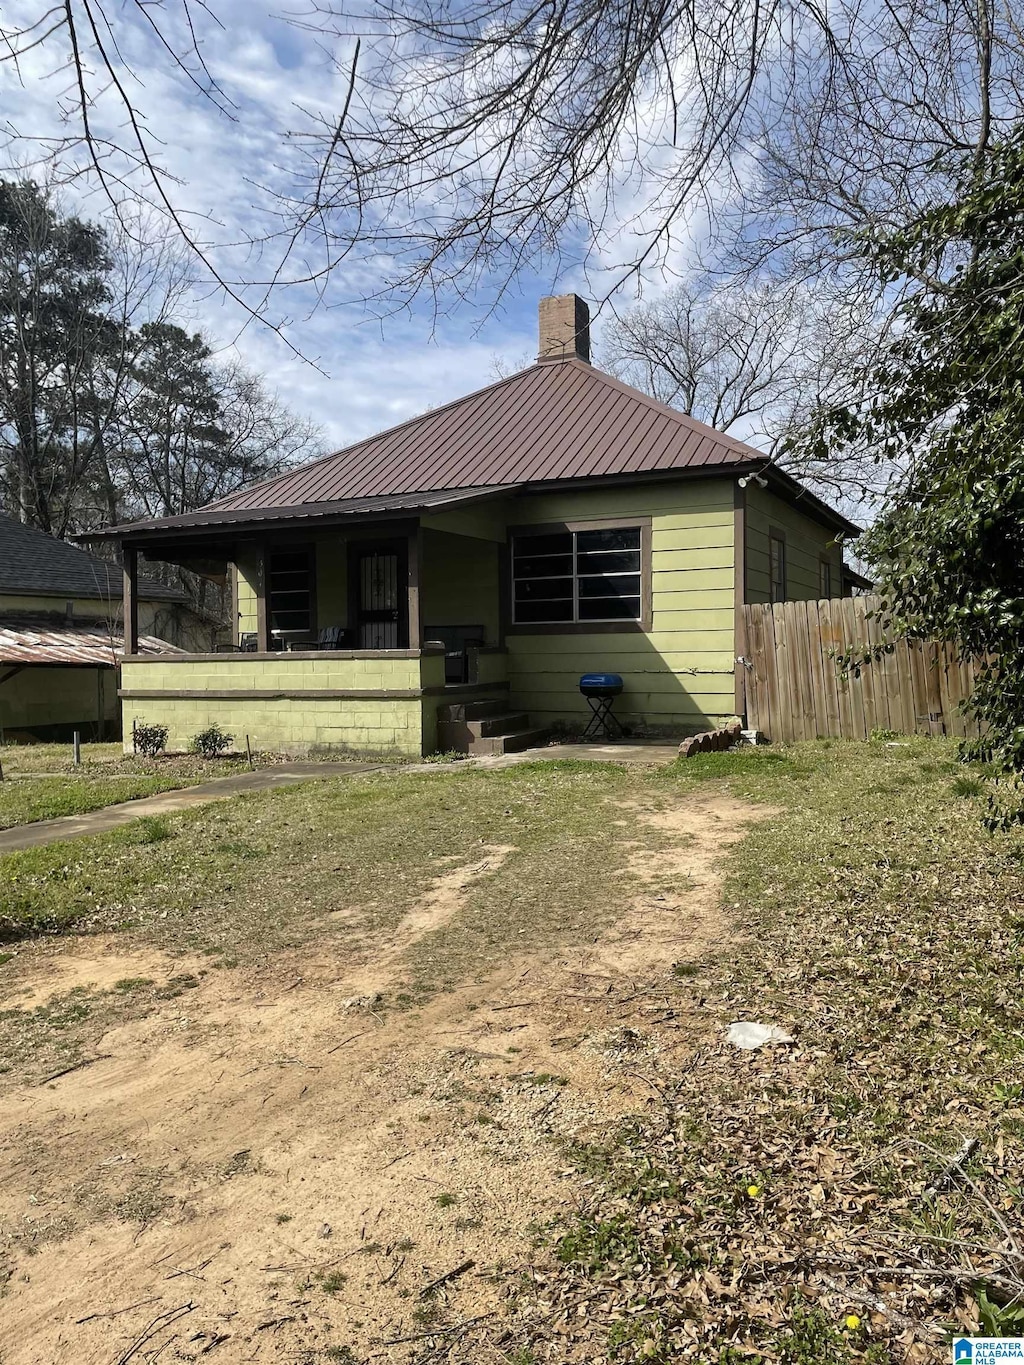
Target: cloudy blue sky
(376, 372)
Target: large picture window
(576, 577)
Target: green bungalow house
(446, 582)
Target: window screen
(825, 582)
(777, 553)
(290, 581)
(577, 576)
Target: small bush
(150, 740)
(211, 743)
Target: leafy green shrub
(149, 740)
(211, 743)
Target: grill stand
(602, 722)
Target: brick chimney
(564, 328)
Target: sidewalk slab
(165, 803)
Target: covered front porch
(346, 635)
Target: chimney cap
(564, 328)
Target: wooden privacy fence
(793, 689)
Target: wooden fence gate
(793, 690)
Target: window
(577, 576)
(777, 566)
(825, 578)
(290, 590)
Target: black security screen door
(380, 592)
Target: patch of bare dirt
(260, 1170)
(679, 913)
(35, 976)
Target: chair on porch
(335, 637)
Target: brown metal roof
(86, 645)
(561, 420)
(556, 420)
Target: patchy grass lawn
(245, 877)
(105, 777)
(57, 758)
(781, 1205)
(784, 1205)
(338, 858)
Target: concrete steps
(484, 726)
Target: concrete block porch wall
(370, 701)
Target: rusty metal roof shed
(85, 645)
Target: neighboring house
(478, 559)
(61, 635)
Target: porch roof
(217, 517)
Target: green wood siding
(331, 583)
(84, 608)
(460, 585)
(246, 572)
(484, 520)
(679, 675)
(807, 542)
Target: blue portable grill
(600, 690)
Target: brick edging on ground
(710, 741)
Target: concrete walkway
(165, 803)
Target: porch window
(576, 577)
(290, 590)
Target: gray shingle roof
(37, 565)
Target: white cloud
(377, 372)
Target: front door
(381, 617)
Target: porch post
(415, 558)
(130, 565)
(262, 608)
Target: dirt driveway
(267, 1167)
